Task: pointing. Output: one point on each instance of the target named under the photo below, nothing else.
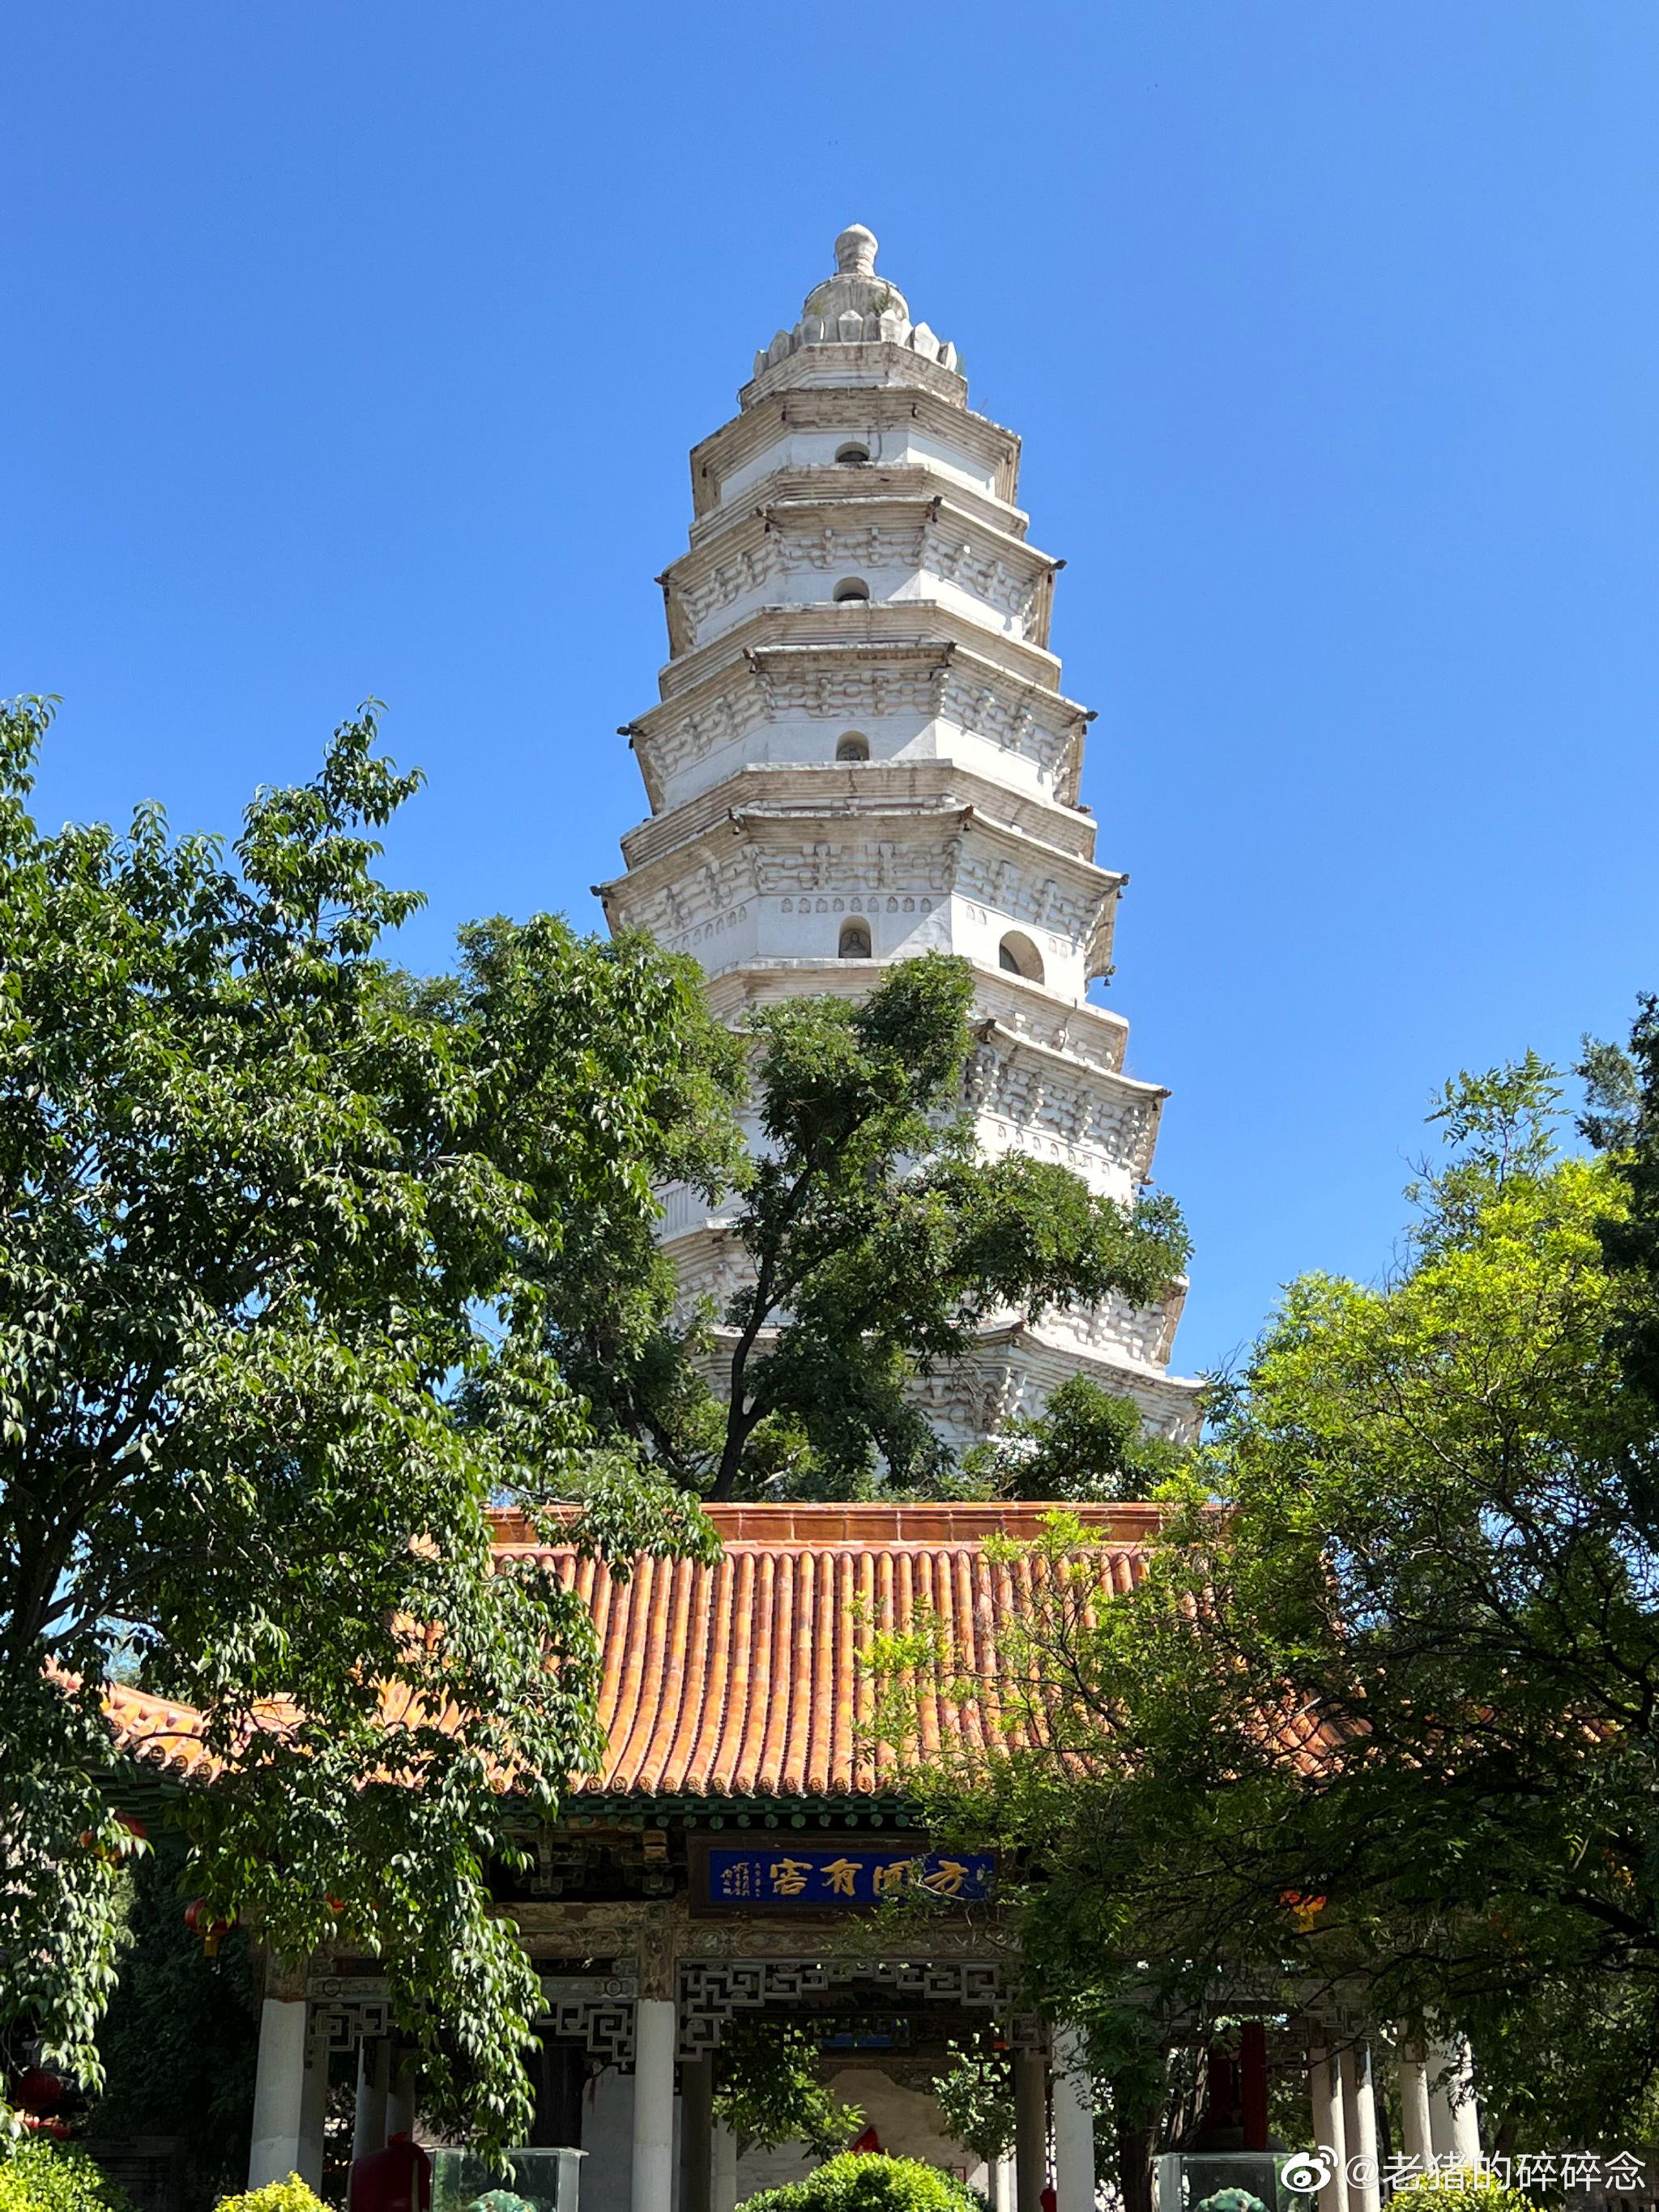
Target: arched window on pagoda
(1020, 957)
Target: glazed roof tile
(749, 1677)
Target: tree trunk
(1134, 2168)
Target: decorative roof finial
(855, 252)
(856, 307)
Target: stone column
(1074, 2123)
(1253, 2083)
(1453, 2119)
(279, 2093)
(1417, 2139)
(400, 2098)
(1002, 2183)
(724, 2186)
(1329, 2133)
(1359, 2127)
(1465, 2112)
(1030, 2131)
(697, 2135)
(368, 2128)
(656, 2030)
(312, 2110)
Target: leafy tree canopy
(876, 1242)
(772, 2089)
(1382, 1719)
(272, 1341)
(1087, 1446)
(308, 1263)
(975, 2095)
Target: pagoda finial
(855, 252)
(855, 307)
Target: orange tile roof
(160, 1734)
(744, 1678)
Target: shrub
(1462, 2189)
(289, 2196)
(868, 2181)
(39, 2175)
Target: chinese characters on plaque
(813, 1877)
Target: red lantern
(200, 1919)
(39, 2091)
(135, 1833)
(1304, 1910)
(396, 2179)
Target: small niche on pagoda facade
(854, 941)
(851, 590)
(1018, 956)
(853, 456)
(853, 745)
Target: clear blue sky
(357, 348)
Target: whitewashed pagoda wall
(861, 751)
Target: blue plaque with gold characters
(783, 1874)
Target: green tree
(876, 1242)
(1087, 1446)
(772, 2089)
(1623, 1121)
(976, 2095)
(270, 1344)
(1383, 1717)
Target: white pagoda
(862, 752)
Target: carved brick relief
(1011, 591)
(1057, 1102)
(711, 897)
(830, 866)
(850, 692)
(1139, 1333)
(723, 717)
(793, 547)
(1008, 718)
(840, 546)
(1015, 893)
